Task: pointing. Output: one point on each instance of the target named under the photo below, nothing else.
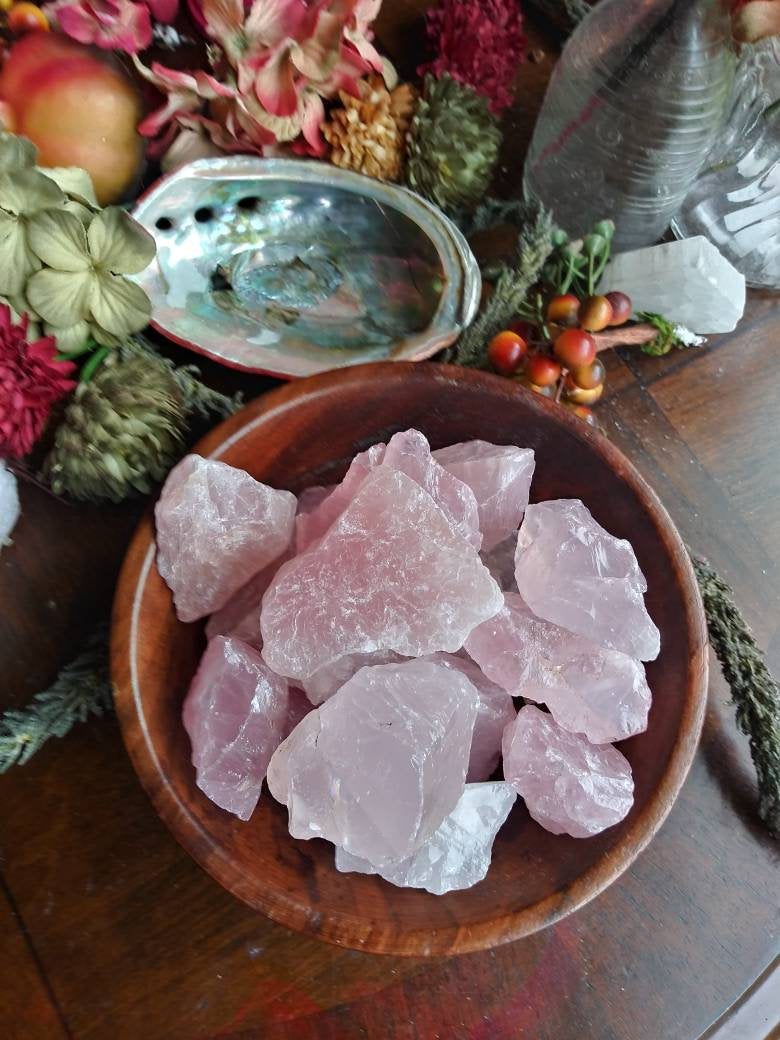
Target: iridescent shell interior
(293, 267)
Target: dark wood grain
(137, 941)
(306, 433)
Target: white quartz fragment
(9, 504)
(458, 854)
(689, 282)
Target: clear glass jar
(634, 104)
(735, 200)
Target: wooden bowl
(306, 433)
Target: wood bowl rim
(346, 929)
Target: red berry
(543, 370)
(575, 348)
(590, 376)
(563, 310)
(583, 412)
(580, 396)
(506, 351)
(26, 17)
(525, 330)
(622, 307)
(596, 313)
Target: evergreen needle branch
(533, 247)
(82, 688)
(753, 690)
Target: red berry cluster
(557, 358)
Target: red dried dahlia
(480, 43)
(30, 382)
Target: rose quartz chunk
(410, 453)
(328, 680)
(390, 574)
(240, 616)
(457, 855)
(311, 524)
(216, 528)
(312, 497)
(500, 561)
(569, 785)
(570, 571)
(496, 710)
(378, 767)
(236, 715)
(500, 477)
(589, 689)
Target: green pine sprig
(81, 689)
(753, 690)
(533, 247)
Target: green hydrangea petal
(59, 239)
(74, 181)
(118, 305)
(118, 243)
(28, 191)
(16, 153)
(71, 338)
(61, 297)
(17, 261)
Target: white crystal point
(328, 680)
(496, 710)
(410, 453)
(588, 688)
(216, 528)
(378, 766)
(458, 853)
(500, 561)
(500, 477)
(570, 571)
(689, 282)
(316, 517)
(236, 714)
(390, 574)
(569, 785)
(9, 504)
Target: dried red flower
(480, 43)
(30, 383)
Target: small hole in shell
(204, 214)
(163, 223)
(249, 202)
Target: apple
(78, 109)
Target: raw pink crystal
(496, 710)
(457, 855)
(378, 767)
(240, 616)
(569, 785)
(328, 680)
(589, 689)
(500, 561)
(390, 574)
(410, 453)
(236, 715)
(312, 497)
(312, 524)
(500, 477)
(216, 528)
(570, 571)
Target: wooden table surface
(109, 930)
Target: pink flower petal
(163, 10)
(271, 21)
(275, 84)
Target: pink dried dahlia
(479, 43)
(31, 381)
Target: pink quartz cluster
(376, 649)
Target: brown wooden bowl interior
(306, 433)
